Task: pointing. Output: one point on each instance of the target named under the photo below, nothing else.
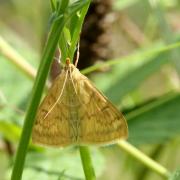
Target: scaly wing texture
(53, 129)
(101, 122)
(81, 116)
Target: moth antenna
(58, 97)
(77, 55)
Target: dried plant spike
(77, 55)
(75, 112)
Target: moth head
(68, 66)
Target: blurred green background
(139, 74)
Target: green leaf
(76, 6)
(64, 43)
(76, 26)
(6, 127)
(157, 122)
(175, 175)
(53, 5)
(70, 36)
(127, 84)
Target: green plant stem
(161, 100)
(13, 56)
(87, 163)
(36, 94)
(140, 156)
(136, 55)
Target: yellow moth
(75, 112)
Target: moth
(74, 112)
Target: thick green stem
(87, 163)
(140, 156)
(36, 94)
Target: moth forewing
(101, 122)
(51, 127)
(75, 112)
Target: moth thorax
(69, 67)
